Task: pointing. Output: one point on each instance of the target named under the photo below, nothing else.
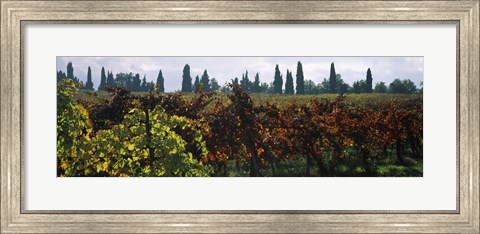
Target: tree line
(203, 83)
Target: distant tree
(360, 86)
(225, 89)
(342, 87)
(124, 80)
(300, 79)
(256, 84)
(235, 81)
(410, 87)
(151, 85)
(121, 79)
(277, 81)
(245, 82)
(396, 87)
(289, 83)
(333, 79)
(160, 81)
(420, 90)
(103, 80)
(186, 79)
(205, 81)
(136, 83)
(310, 87)
(110, 79)
(129, 83)
(322, 87)
(61, 75)
(264, 87)
(214, 86)
(70, 71)
(143, 86)
(196, 83)
(380, 87)
(369, 81)
(271, 88)
(356, 87)
(402, 86)
(89, 83)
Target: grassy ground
(352, 98)
(296, 168)
(281, 99)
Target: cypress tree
(61, 75)
(196, 83)
(300, 79)
(256, 84)
(144, 87)
(89, 84)
(103, 80)
(289, 83)
(186, 79)
(277, 81)
(129, 81)
(110, 79)
(245, 82)
(70, 71)
(214, 86)
(369, 81)
(136, 83)
(205, 81)
(160, 81)
(333, 79)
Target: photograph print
(239, 116)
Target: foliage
(145, 143)
(126, 149)
(73, 129)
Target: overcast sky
(224, 69)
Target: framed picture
(239, 116)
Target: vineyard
(212, 134)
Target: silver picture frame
(16, 14)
